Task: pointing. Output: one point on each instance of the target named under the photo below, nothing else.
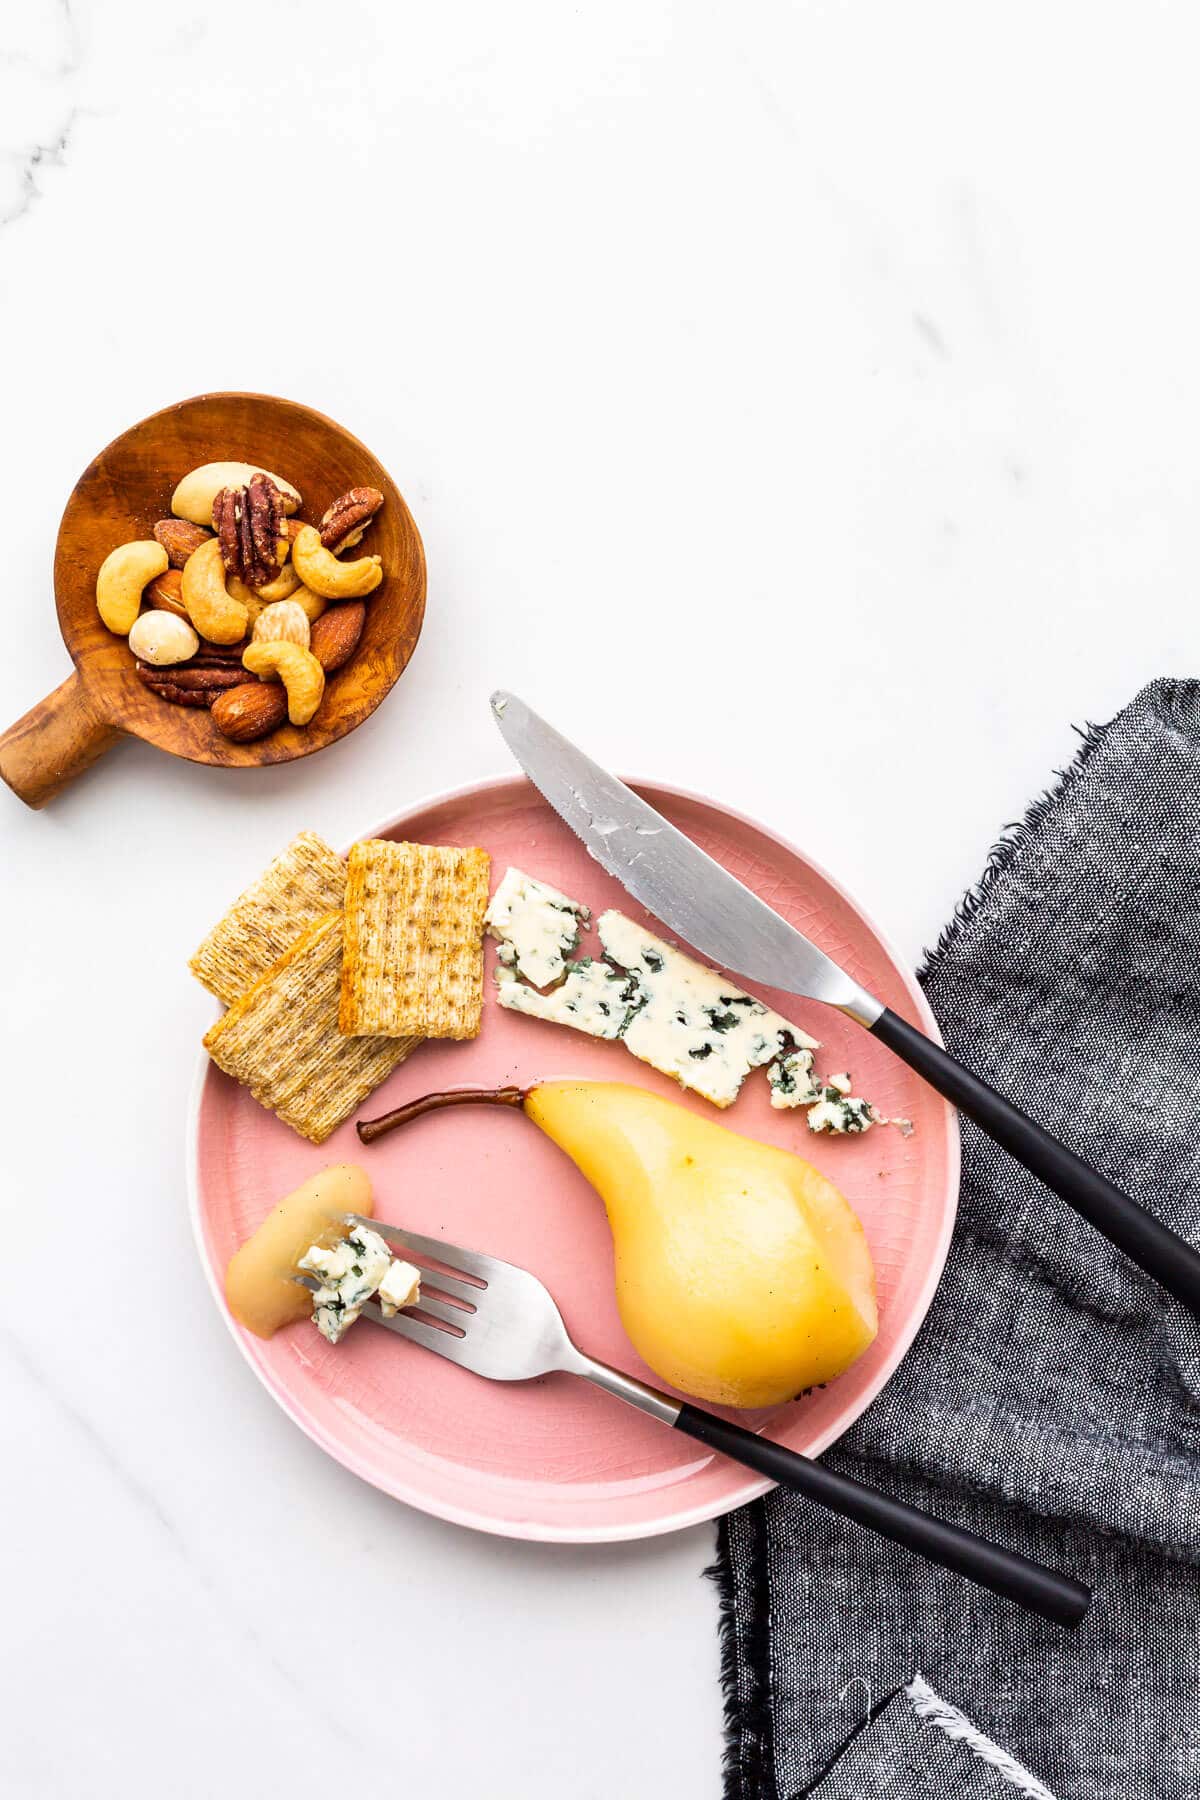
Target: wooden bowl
(119, 497)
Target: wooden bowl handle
(56, 740)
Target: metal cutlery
(500, 1322)
(714, 912)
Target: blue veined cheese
(792, 1080)
(400, 1287)
(594, 997)
(351, 1271)
(683, 1018)
(841, 1112)
(536, 926)
(694, 1024)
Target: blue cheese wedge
(793, 1082)
(350, 1271)
(536, 926)
(694, 1024)
(400, 1287)
(683, 1018)
(594, 997)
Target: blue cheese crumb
(792, 1080)
(400, 1287)
(536, 926)
(350, 1273)
(842, 1113)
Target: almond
(179, 539)
(282, 621)
(166, 593)
(250, 710)
(333, 638)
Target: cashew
(283, 622)
(215, 613)
(298, 669)
(283, 586)
(163, 637)
(321, 571)
(193, 498)
(237, 589)
(311, 604)
(123, 574)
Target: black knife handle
(1144, 1239)
(1040, 1590)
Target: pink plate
(555, 1459)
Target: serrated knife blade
(672, 877)
(714, 912)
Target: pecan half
(179, 539)
(216, 656)
(249, 522)
(344, 522)
(187, 685)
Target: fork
(500, 1322)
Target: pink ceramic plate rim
(751, 1486)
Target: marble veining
(36, 74)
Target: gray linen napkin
(1052, 1398)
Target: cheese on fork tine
(350, 1271)
(694, 1024)
(400, 1287)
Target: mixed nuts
(235, 585)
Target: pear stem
(370, 1129)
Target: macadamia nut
(162, 638)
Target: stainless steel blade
(672, 877)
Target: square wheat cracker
(281, 1039)
(414, 940)
(304, 882)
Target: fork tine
(468, 1262)
(441, 1309)
(444, 1343)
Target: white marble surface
(798, 402)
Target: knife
(708, 907)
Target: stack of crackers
(334, 972)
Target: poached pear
(742, 1274)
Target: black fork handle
(1052, 1596)
(1144, 1239)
